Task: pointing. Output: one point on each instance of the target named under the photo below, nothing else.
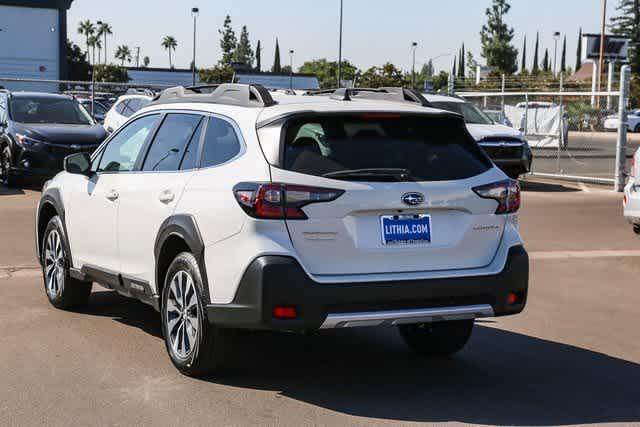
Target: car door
(91, 216)
(151, 196)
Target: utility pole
(194, 12)
(602, 42)
(340, 47)
(137, 56)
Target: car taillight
(506, 193)
(280, 201)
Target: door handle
(166, 196)
(113, 195)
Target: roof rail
(393, 94)
(242, 95)
(140, 91)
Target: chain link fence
(574, 131)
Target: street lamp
(414, 46)
(291, 52)
(556, 37)
(194, 12)
(340, 48)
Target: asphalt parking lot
(572, 358)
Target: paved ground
(572, 358)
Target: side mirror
(79, 164)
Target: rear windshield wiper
(373, 174)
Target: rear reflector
(280, 201)
(512, 299)
(506, 193)
(285, 313)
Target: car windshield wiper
(373, 174)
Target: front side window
(122, 151)
(170, 143)
(49, 110)
(221, 143)
(373, 147)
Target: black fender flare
(185, 227)
(53, 198)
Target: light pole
(291, 52)
(194, 12)
(556, 37)
(414, 46)
(340, 48)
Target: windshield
(472, 114)
(48, 110)
(382, 147)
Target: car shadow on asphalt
(546, 187)
(501, 378)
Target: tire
(6, 161)
(637, 129)
(437, 339)
(196, 347)
(636, 229)
(63, 291)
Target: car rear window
(431, 148)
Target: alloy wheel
(182, 316)
(54, 264)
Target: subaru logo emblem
(413, 199)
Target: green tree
(536, 68)
(627, 24)
(545, 61)
(579, 51)
(146, 61)
(258, 57)
(462, 71)
(277, 68)
(94, 42)
(228, 41)
(327, 71)
(111, 73)
(104, 30)
(563, 60)
(427, 69)
(523, 68)
(78, 68)
(169, 43)
(386, 75)
(221, 73)
(441, 81)
(454, 72)
(87, 29)
(123, 53)
(472, 65)
(243, 52)
(496, 37)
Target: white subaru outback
(234, 210)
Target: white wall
(29, 46)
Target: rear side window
(121, 106)
(430, 148)
(170, 143)
(221, 143)
(132, 106)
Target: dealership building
(33, 36)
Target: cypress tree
(258, 57)
(277, 68)
(524, 56)
(462, 64)
(563, 61)
(545, 61)
(536, 68)
(579, 51)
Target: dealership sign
(616, 48)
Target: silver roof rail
(241, 95)
(392, 94)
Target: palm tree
(123, 53)
(104, 29)
(169, 43)
(94, 42)
(87, 29)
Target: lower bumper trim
(399, 317)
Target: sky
(375, 31)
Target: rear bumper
(276, 281)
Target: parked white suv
(233, 210)
(125, 107)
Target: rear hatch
(408, 203)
